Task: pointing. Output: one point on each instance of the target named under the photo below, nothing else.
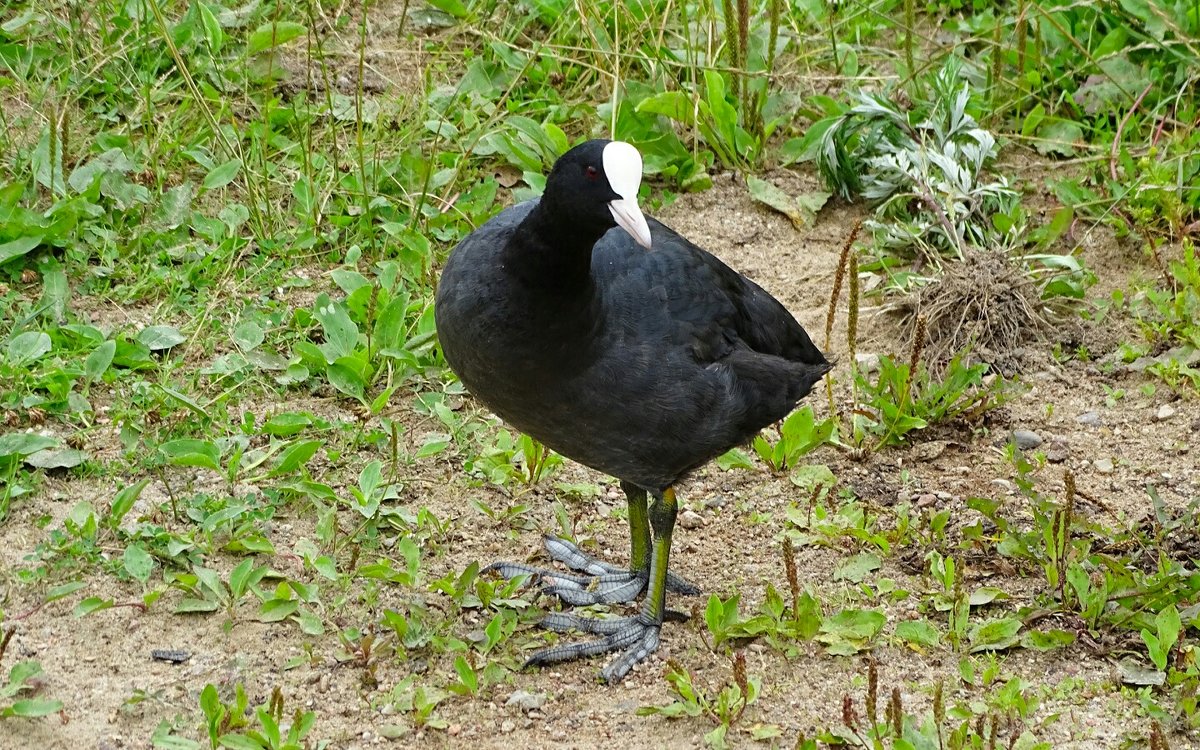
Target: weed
(925, 169)
(21, 683)
(1167, 316)
(799, 434)
(957, 726)
(904, 398)
(724, 706)
(271, 732)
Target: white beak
(629, 217)
(623, 166)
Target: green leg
(639, 527)
(662, 521)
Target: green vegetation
(225, 411)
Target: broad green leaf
(55, 292)
(56, 458)
(163, 739)
(734, 458)
(994, 635)
(221, 175)
(800, 209)
(30, 708)
(341, 333)
(213, 33)
(24, 443)
(244, 576)
(310, 624)
(1059, 137)
(673, 104)
(918, 632)
(271, 35)
(287, 424)
(28, 347)
(158, 338)
(138, 562)
(248, 335)
(192, 452)
(189, 605)
(239, 742)
(854, 623)
(92, 604)
(452, 7)
(346, 379)
(175, 206)
(183, 400)
(1047, 640)
(295, 456)
(98, 362)
(857, 568)
(986, 595)
(275, 610)
(18, 247)
(65, 590)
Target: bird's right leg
(600, 582)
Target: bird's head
(596, 183)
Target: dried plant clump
(986, 305)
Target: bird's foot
(598, 582)
(637, 635)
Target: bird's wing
(681, 292)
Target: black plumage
(642, 364)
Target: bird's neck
(554, 254)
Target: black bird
(623, 346)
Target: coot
(621, 345)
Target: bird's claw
(598, 582)
(637, 635)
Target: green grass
(221, 228)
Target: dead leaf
(800, 209)
(507, 176)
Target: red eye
(592, 173)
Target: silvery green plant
(924, 168)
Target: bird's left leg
(637, 635)
(600, 582)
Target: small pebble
(1103, 465)
(930, 450)
(1057, 453)
(925, 500)
(1026, 439)
(526, 701)
(508, 726)
(1089, 418)
(690, 519)
(1165, 412)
